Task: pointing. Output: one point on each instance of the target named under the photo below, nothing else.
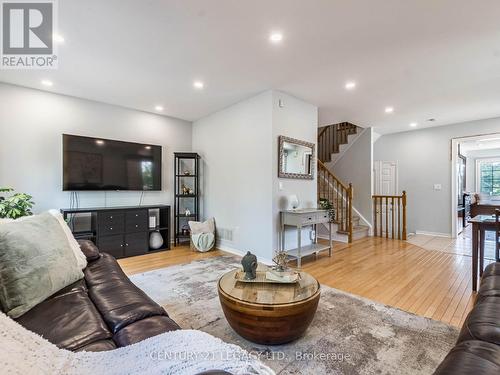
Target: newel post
(350, 192)
(404, 215)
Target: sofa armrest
(89, 249)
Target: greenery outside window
(488, 176)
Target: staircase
(338, 194)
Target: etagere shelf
(186, 193)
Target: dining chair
(497, 235)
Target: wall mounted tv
(103, 164)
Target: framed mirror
(296, 158)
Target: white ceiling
(426, 58)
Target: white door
(386, 183)
(385, 178)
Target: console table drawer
(136, 221)
(111, 223)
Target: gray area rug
(349, 335)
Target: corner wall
(235, 146)
(239, 148)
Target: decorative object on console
(325, 204)
(281, 260)
(16, 205)
(292, 202)
(155, 240)
(152, 222)
(295, 158)
(249, 263)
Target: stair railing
(339, 195)
(331, 137)
(389, 216)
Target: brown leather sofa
(478, 347)
(101, 312)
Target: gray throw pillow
(36, 261)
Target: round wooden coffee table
(269, 313)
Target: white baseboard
(241, 253)
(435, 234)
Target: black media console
(121, 231)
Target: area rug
(349, 334)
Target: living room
(249, 188)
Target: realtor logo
(27, 34)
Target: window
(488, 176)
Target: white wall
(235, 147)
(424, 159)
(31, 126)
(355, 166)
(296, 119)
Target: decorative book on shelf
(186, 194)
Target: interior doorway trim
(454, 156)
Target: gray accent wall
(355, 166)
(424, 159)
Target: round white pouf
(155, 240)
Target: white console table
(299, 219)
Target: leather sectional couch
(103, 311)
(478, 347)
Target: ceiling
(426, 58)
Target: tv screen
(103, 164)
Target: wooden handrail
(393, 206)
(330, 138)
(339, 195)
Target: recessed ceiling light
(100, 142)
(147, 147)
(159, 108)
(48, 83)
(350, 85)
(413, 125)
(198, 85)
(389, 109)
(58, 38)
(275, 37)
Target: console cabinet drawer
(111, 223)
(136, 221)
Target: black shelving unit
(186, 174)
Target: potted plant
(15, 205)
(325, 204)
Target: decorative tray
(262, 277)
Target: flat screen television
(104, 164)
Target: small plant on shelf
(325, 204)
(15, 205)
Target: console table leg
(299, 246)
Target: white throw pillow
(79, 255)
(205, 227)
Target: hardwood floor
(429, 283)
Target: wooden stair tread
(356, 229)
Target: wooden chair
(497, 235)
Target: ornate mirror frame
(298, 176)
